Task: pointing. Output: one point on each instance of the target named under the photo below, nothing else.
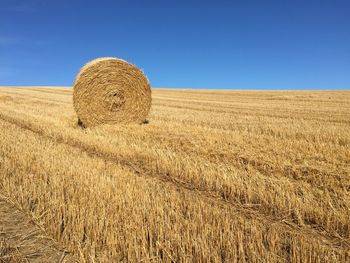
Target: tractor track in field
(210, 196)
(21, 240)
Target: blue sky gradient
(186, 44)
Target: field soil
(214, 176)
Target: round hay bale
(111, 91)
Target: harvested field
(215, 176)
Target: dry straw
(111, 91)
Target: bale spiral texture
(110, 91)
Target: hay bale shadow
(81, 124)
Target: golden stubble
(235, 176)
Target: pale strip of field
(234, 175)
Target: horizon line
(190, 88)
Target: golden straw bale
(111, 91)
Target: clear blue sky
(247, 44)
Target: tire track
(25, 242)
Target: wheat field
(214, 176)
